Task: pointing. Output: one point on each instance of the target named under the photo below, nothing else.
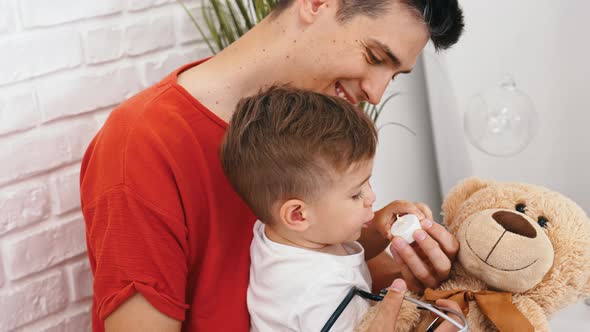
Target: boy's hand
(385, 217)
(427, 261)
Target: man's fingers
(439, 262)
(394, 297)
(417, 268)
(448, 243)
(388, 310)
(446, 326)
(411, 281)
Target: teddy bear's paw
(367, 319)
(408, 317)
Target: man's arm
(383, 270)
(137, 314)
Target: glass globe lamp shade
(501, 121)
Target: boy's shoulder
(303, 268)
(305, 285)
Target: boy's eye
(358, 196)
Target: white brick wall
(6, 16)
(30, 54)
(39, 13)
(64, 65)
(22, 102)
(33, 300)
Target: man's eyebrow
(387, 51)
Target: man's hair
(444, 18)
(286, 143)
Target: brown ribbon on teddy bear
(496, 306)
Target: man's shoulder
(164, 113)
(165, 105)
(154, 130)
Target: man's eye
(373, 58)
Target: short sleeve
(136, 247)
(321, 300)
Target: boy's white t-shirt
(294, 289)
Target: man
(168, 239)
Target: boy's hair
(287, 143)
(444, 18)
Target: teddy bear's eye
(543, 222)
(520, 208)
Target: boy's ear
(294, 215)
(309, 9)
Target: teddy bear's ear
(459, 194)
(586, 290)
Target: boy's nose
(370, 198)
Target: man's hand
(388, 309)
(427, 262)
(447, 326)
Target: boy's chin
(356, 237)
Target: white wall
(544, 45)
(63, 66)
(405, 165)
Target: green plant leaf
(223, 20)
(245, 15)
(259, 9)
(383, 103)
(196, 24)
(211, 26)
(235, 20)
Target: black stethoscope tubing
(379, 297)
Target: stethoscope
(379, 297)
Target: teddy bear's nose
(515, 223)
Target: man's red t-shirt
(161, 218)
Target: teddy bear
(524, 253)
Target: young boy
(302, 162)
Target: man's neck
(257, 60)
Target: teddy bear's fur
(541, 256)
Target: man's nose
(375, 84)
